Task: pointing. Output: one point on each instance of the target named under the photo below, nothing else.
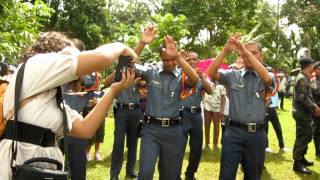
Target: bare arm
(172, 50)
(223, 102)
(148, 35)
(193, 78)
(87, 128)
(205, 84)
(257, 65)
(101, 57)
(214, 66)
(109, 79)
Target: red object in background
(203, 65)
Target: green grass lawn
(278, 164)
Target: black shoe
(190, 178)
(299, 167)
(132, 175)
(307, 163)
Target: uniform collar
(175, 72)
(244, 71)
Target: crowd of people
(167, 105)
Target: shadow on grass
(208, 155)
(277, 158)
(106, 162)
(307, 177)
(266, 175)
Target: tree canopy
(202, 26)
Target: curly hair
(47, 42)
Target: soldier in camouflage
(303, 107)
(315, 86)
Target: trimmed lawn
(278, 164)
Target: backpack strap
(22, 104)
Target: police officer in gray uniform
(127, 116)
(303, 107)
(162, 134)
(192, 121)
(245, 137)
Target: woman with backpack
(51, 62)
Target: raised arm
(205, 84)
(256, 64)
(109, 79)
(148, 35)
(88, 127)
(214, 66)
(172, 50)
(102, 57)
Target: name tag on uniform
(155, 82)
(239, 85)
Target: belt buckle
(252, 127)
(165, 122)
(131, 105)
(193, 109)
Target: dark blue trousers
(165, 143)
(272, 116)
(192, 124)
(238, 144)
(126, 126)
(77, 157)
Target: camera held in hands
(124, 64)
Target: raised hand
(127, 80)
(171, 46)
(127, 51)
(233, 42)
(200, 73)
(149, 34)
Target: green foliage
(83, 19)
(167, 25)
(219, 19)
(202, 26)
(20, 24)
(306, 15)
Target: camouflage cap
(304, 62)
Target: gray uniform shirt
(164, 90)
(246, 95)
(130, 95)
(196, 98)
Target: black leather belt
(129, 106)
(164, 122)
(32, 134)
(192, 109)
(250, 127)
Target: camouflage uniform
(302, 110)
(315, 86)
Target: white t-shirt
(43, 73)
(213, 102)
